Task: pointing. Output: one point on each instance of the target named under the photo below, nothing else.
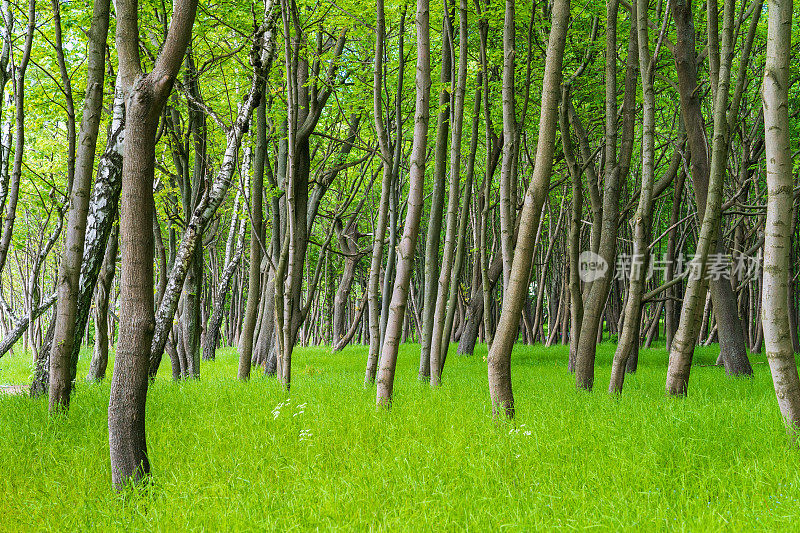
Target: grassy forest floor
(228, 455)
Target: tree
(499, 358)
(777, 236)
(63, 365)
(147, 95)
(408, 243)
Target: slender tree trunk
(576, 297)
(439, 345)
(466, 198)
(408, 243)
(683, 344)
(777, 239)
(629, 338)
(97, 367)
(63, 366)
(509, 142)
(211, 340)
(499, 358)
(19, 136)
(616, 171)
(375, 330)
(434, 233)
(256, 235)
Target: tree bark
(256, 235)
(19, 136)
(408, 243)
(434, 233)
(616, 171)
(99, 362)
(499, 358)
(214, 197)
(63, 366)
(683, 344)
(777, 238)
(439, 345)
(642, 226)
(126, 410)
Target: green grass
(717, 460)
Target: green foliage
(228, 455)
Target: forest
(273, 264)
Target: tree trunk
(408, 243)
(97, 367)
(126, 409)
(616, 173)
(19, 136)
(575, 295)
(629, 338)
(777, 239)
(63, 366)
(215, 194)
(434, 233)
(499, 358)
(439, 345)
(256, 236)
(683, 344)
(386, 193)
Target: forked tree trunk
(126, 409)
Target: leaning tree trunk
(374, 297)
(97, 367)
(212, 335)
(434, 233)
(437, 347)
(408, 243)
(629, 337)
(499, 358)
(777, 239)
(63, 366)
(682, 349)
(214, 197)
(12, 195)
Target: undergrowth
(228, 455)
